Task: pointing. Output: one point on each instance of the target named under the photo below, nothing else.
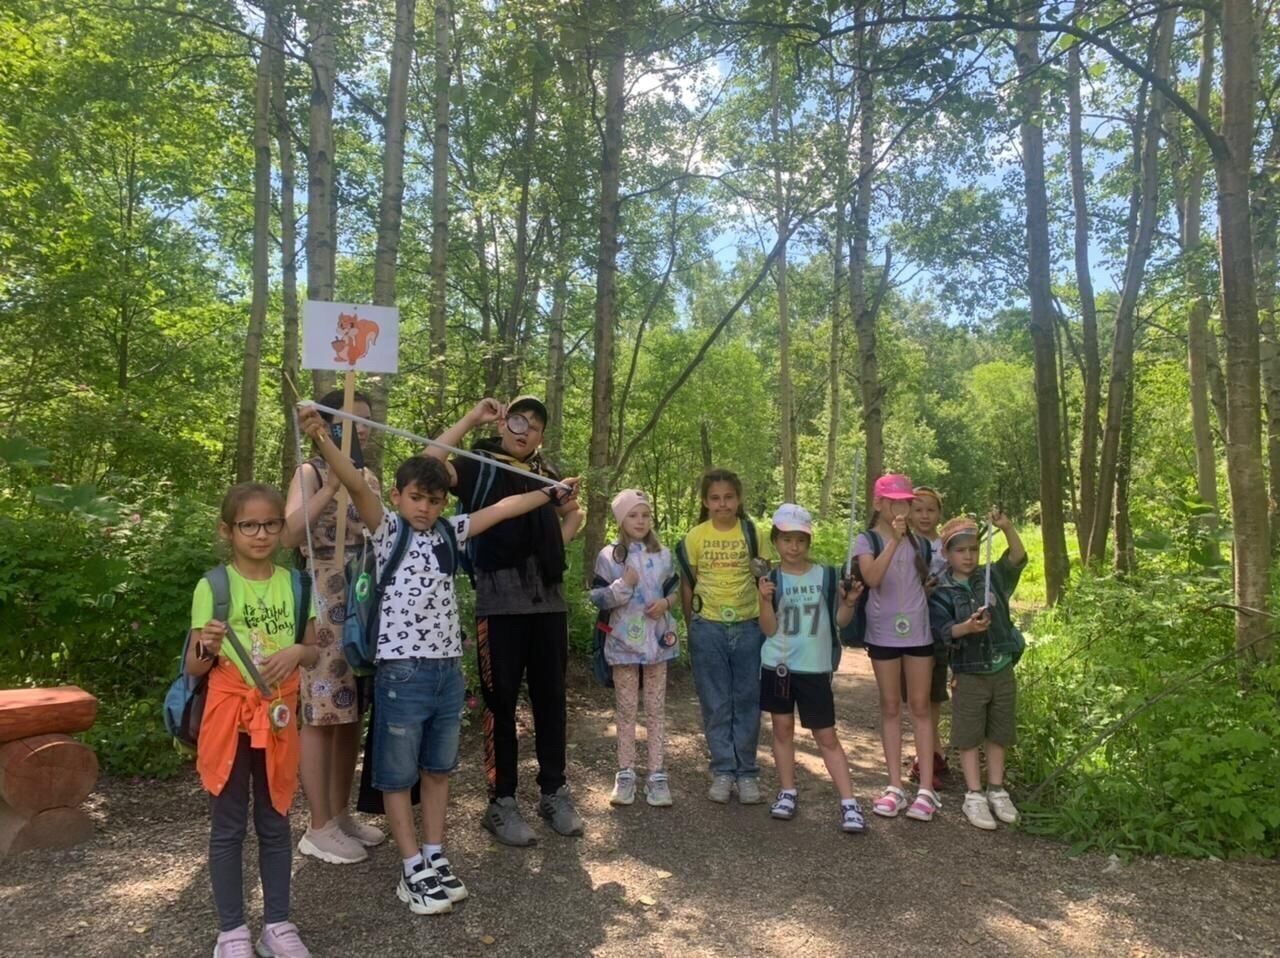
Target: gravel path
(696, 879)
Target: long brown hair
(710, 478)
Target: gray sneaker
(504, 820)
(657, 790)
(559, 811)
(721, 788)
(749, 791)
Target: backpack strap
(775, 576)
(398, 548)
(682, 560)
(830, 594)
(670, 585)
(753, 541)
(444, 528)
(301, 604)
(220, 584)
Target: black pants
(509, 647)
(229, 814)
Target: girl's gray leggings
(229, 814)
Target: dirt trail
(696, 879)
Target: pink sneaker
(281, 941)
(237, 943)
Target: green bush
(1196, 773)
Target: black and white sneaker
(450, 882)
(423, 893)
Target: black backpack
(854, 634)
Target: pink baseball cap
(894, 485)
(627, 500)
(793, 518)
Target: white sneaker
(450, 882)
(978, 812)
(366, 835)
(330, 844)
(423, 893)
(1002, 805)
(624, 788)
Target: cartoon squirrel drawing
(355, 336)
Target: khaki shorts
(984, 708)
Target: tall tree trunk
(1240, 323)
(1198, 333)
(1135, 270)
(1125, 559)
(553, 440)
(1048, 431)
(786, 398)
(1065, 413)
(386, 257)
(598, 452)
(1266, 218)
(320, 193)
(439, 216)
(508, 372)
(246, 432)
(1092, 399)
(290, 357)
(864, 317)
(833, 360)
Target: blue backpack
(365, 589)
(185, 699)
(830, 596)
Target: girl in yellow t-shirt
(721, 605)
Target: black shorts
(807, 692)
(887, 653)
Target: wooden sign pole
(344, 497)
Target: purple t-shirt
(897, 609)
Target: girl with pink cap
(893, 563)
(636, 584)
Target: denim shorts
(417, 719)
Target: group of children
(761, 638)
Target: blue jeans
(417, 719)
(726, 673)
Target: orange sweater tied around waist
(233, 706)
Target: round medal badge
(728, 614)
(902, 625)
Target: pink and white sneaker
(281, 940)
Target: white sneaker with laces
(978, 811)
(1002, 805)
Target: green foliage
(1194, 774)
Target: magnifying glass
(517, 424)
(760, 567)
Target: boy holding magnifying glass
(522, 625)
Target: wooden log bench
(44, 773)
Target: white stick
(986, 594)
(321, 604)
(405, 434)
